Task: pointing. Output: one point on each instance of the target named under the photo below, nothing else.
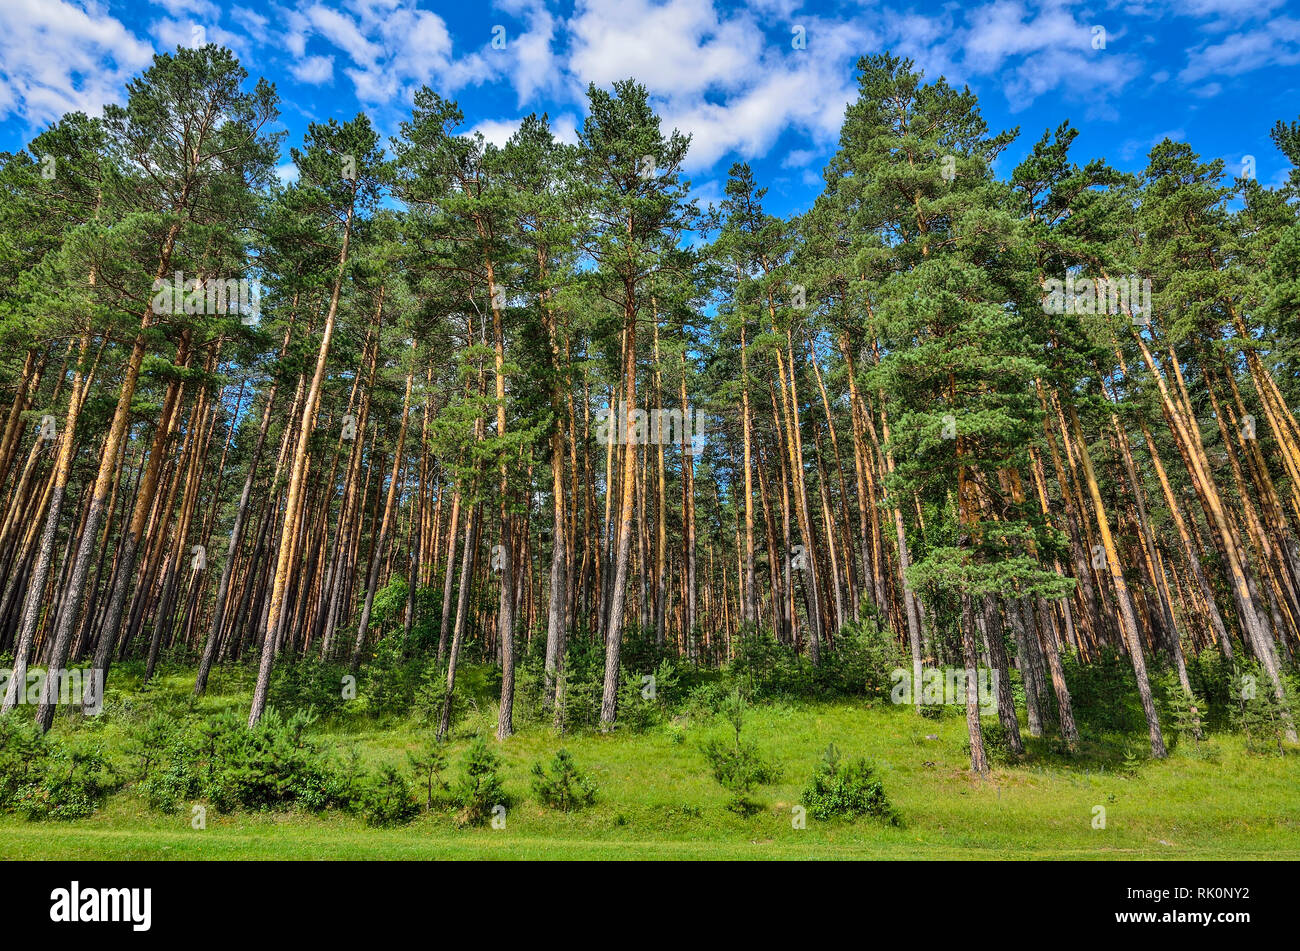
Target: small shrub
(705, 700)
(270, 766)
(24, 751)
(431, 692)
(847, 790)
(641, 701)
(43, 778)
(390, 684)
(389, 800)
(75, 784)
(1187, 713)
(309, 682)
(146, 747)
(737, 766)
(563, 787)
(1261, 719)
(479, 789)
(428, 767)
(1103, 693)
(997, 743)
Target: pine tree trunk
(1130, 629)
(297, 480)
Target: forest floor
(658, 800)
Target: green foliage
(390, 682)
(388, 799)
(1103, 693)
(24, 751)
(427, 767)
(847, 790)
(1186, 713)
(1259, 716)
(75, 784)
(389, 607)
(737, 766)
(273, 765)
(583, 679)
(859, 665)
(563, 786)
(309, 681)
(642, 703)
(150, 744)
(997, 742)
(431, 693)
(42, 778)
(479, 789)
(643, 698)
(1215, 681)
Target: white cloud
(177, 8)
(565, 128)
(529, 55)
(391, 47)
(733, 81)
(1230, 9)
(345, 33)
(190, 33)
(681, 47)
(1034, 52)
(1276, 43)
(314, 70)
(497, 131)
(58, 56)
(250, 20)
(726, 75)
(798, 158)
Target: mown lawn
(657, 799)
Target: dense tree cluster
(478, 400)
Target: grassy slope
(657, 800)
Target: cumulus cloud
(178, 8)
(735, 82)
(59, 56)
(390, 47)
(498, 131)
(314, 70)
(197, 32)
(532, 64)
(727, 75)
(1276, 43)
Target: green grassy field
(657, 799)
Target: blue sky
(1216, 73)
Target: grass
(657, 799)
